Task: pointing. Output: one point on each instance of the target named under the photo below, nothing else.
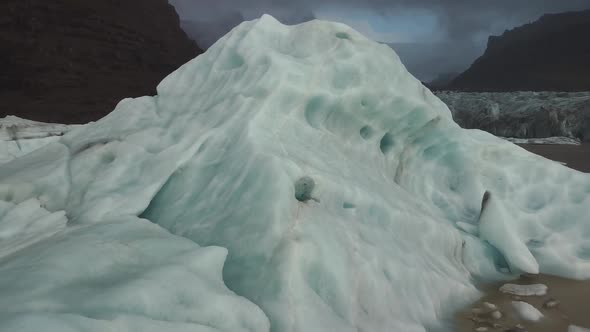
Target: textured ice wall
(150, 193)
(523, 114)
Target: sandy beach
(566, 303)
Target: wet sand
(575, 156)
(573, 296)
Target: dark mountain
(428, 61)
(71, 61)
(442, 81)
(206, 31)
(552, 53)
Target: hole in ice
(108, 157)
(534, 243)
(342, 35)
(348, 205)
(366, 132)
(7, 196)
(484, 203)
(584, 253)
(313, 111)
(454, 182)
(499, 260)
(433, 152)
(387, 275)
(232, 61)
(303, 188)
(386, 143)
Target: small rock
(496, 315)
(303, 188)
(481, 329)
(551, 303)
(490, 306)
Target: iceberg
(527, 311)
(291, 178)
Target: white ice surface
(212, 160)
(125, 274)
(524, 290)
(20, 136)
(527, 311)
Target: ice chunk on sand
(527, 311)
(524, 290)
(573, 328)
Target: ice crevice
(186, 214)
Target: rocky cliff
(550, 54)
(71, 61)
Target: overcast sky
(427, 30)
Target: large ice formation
(125, 224)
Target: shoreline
(574, 156)
(565, 304)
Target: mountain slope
(71, 61)
(551, 53)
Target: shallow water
(573, 297)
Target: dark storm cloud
(459, 17)
(465, 24)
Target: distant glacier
(522, 114)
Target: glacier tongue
(213, 160)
